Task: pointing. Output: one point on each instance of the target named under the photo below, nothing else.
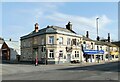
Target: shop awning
(90, 52)
(114, 53)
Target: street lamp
(97, 28)
(97, 37)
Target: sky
(18, 18)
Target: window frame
(51, 54)
(60, 40)
(51, 40)
(60, 53)
(77, 54)
(68, 41)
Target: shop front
(114, 55)
(93, 55)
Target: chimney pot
(69, 26)
(108, 37)
(87, 34)
(10, 39)
(36, 27)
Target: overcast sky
(18, 18)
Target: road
(106, 71)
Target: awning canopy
(90, 52)
(114, 53)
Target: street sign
(93, 52)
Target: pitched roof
(87, 39)
(14, 45)
(56, 29)
(105, 43)
(117, 43)
(63, 29)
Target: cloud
(48, 13)
(81, 24)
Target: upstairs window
(74, 42)
(51, 39)
(61, 40)
(91, 45)
(68, 41)
(42, 41)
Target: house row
(57, 45)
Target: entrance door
(35, 53)
(68, 58)
(5, 55)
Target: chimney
(108, 37)
(36, 27)
(10, 39)
(87, 34)
(98, 38)
(69, 26)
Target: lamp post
(97, 27)
(97, 37)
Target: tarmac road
(107, 71)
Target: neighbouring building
(117, 43)
(10, 51)
(100, 45)
(1, 42)
(88, 46)
(52, 45)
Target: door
(35, 53)
(5, 55)
(68, 58)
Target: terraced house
(52, 45)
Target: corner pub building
(52, 45)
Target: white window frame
(68, 41)
(76, 54)
(51, 39)
(61, 53)
(51, 54)
(60, 40)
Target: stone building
(52, 45)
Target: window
(35, 40)
(84, 45)
(61, 40)
(76, 53)
(23, 43)
(101, 47)
(51, 53)
(106, 49)
(42, 41)
(68, 41)
(51, 39)
(74, 41)
(91, 45)
(116, 56)
(60, 53)
(78, 42)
